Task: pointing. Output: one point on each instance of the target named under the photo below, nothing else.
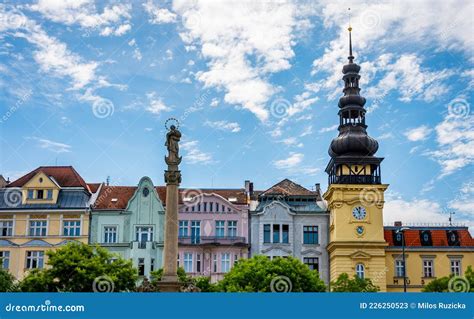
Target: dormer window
(30, 194)
(39, 194)
(425, 237)
(50, 194)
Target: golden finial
(349, 13)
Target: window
(428, 268)
(360, 271)
(195, 232)
(266, 233)
(4, 259)
(220, 228)
(188, 262)
(34, 259)
(152, 264)
(177, 260)
(6, 228)
(232, 228)
(210, 206)
(311, 262)
(456, 267)
(110, 234)
(284, 233)
(183, 228)
(141, 266)
(198, 262)
(236, 259)
(205, 207)
(30, 194)
(72, 228)
(225, 262)
(50, 194)
(310, 235)
(39, 194)
(144, 234)
(276, 233)
(145, 191)
(214, 263)
(199, 207)
(217, 207)
(38, 228)
(399, 268)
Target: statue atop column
(169, 280)
(172, 143)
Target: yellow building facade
(41, 211)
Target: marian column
(169, 281)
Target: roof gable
(287, 187)
(65, 176)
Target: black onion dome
(353, 139)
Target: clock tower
(355, 195)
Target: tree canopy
(77, 267)
(344, 284)
(260, 274)
(452, 283)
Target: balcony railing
(212, 240)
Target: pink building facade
(213, 230)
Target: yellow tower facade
(355, 195)
(356, 233)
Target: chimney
(318, 188)
(397, 224)
(247, 186)
(107, 182)
(251, 189)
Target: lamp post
(402, 231)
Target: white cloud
(329, 129)
(293, 165)
(52, 146)
(156, 104)
(158, 15)
(441, 25)
(224, 126)
(214, 102)
(308, 130)
(194, 155)
(292, 141)
(385, 136)
(114, 20)
(418, 133)
(292, 161)
(455, 139)
(418, 211)
(244, 43)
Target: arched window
(360, 271)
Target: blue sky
(254, 86)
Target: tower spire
(350, 57)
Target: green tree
(7, 281)
(261, 274)
(344, 284)
(78, 267)
(452, 284)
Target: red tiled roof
(107, 193)
(65, 176)
(438, 237)
(287, 187)
(124, 193)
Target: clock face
(359, 212)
